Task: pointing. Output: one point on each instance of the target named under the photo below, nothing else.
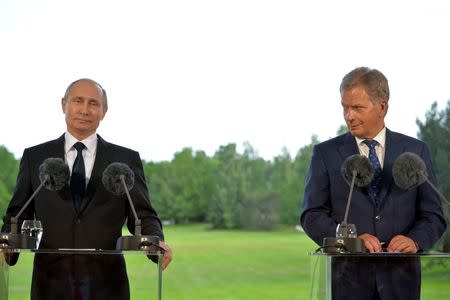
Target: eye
(358, 108)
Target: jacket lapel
(392, 151)
(348, 146)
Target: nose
(84, 109)
(349, 115)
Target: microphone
(53, 174)
(118, 179)
(409, 170)
(357, 171)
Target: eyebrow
(354, 105)
(88, 99)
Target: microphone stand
(136, 241)
(434, 188)
(344, 243)
(14, 239)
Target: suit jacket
(415, 213)
(97, 224)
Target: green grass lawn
(237, 264)
(225, 265)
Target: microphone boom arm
(137, 221)
(436, 190)
(15, 219)
(349, 200)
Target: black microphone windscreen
(111, 178)
(362, 166)
(409, 170)
(54, 173)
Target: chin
(357, 133)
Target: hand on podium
(398, 244)
(167, 256)
(402, 244)
(371, 242)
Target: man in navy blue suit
(386, 217)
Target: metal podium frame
(4, 267)
(321, 268)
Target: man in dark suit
(89, 217)
(386, 217)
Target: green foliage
(9, 168)
(230, 188)
(5, 196)
(342, 129)
(435, 131)
(259, 211)
(182, 189)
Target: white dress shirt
(380, 148)
(70, 153)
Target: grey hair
(104, 96)
(374, 82)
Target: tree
(9, 167)
(284, 182)
(158, 176)
(226, 202)
(192, 184)
(301, 167)
(435, 131)
(342, 129)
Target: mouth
(354, 126)
(83, 120)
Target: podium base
(17, 241)
(138, 242)
(343, 245)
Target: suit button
(77, 221)
(377, 218)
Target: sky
(207, 73)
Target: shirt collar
(380, 138)
(90, 142)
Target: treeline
(242, 190)
(229, 189)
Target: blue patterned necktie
(375, 185)
(78, 178)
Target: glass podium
(144, 276)
(434, 268)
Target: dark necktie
(375, 185)
(78, 179)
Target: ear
(384, 107)
(63, 105)
(105, 109)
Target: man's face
(364, 118)
(84, 109)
